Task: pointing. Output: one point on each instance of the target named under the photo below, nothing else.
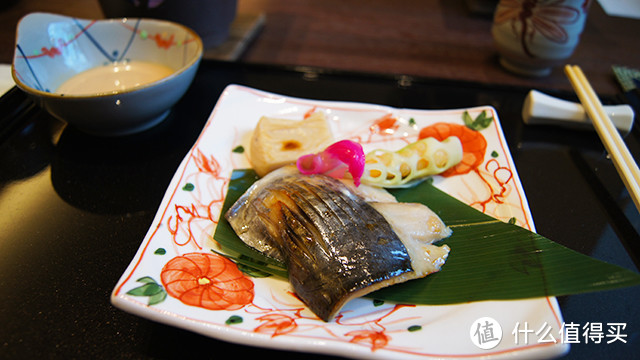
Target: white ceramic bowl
(51, 49)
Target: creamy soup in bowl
(105, 77)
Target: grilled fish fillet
(337, 241)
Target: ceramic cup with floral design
(533, 36)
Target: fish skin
(333, 242)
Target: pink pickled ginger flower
(335, 161)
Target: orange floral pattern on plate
(473, 142)
(209, 281)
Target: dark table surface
(74, 209)
(422, 38)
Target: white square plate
(272, 316)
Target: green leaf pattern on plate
(151, 289)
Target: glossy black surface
(74, 209)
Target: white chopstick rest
(542, 109)
(613, 142)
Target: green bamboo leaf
(247, 263)
(253, 272)
(230, 243)
(489, 259)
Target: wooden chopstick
(613, 142)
